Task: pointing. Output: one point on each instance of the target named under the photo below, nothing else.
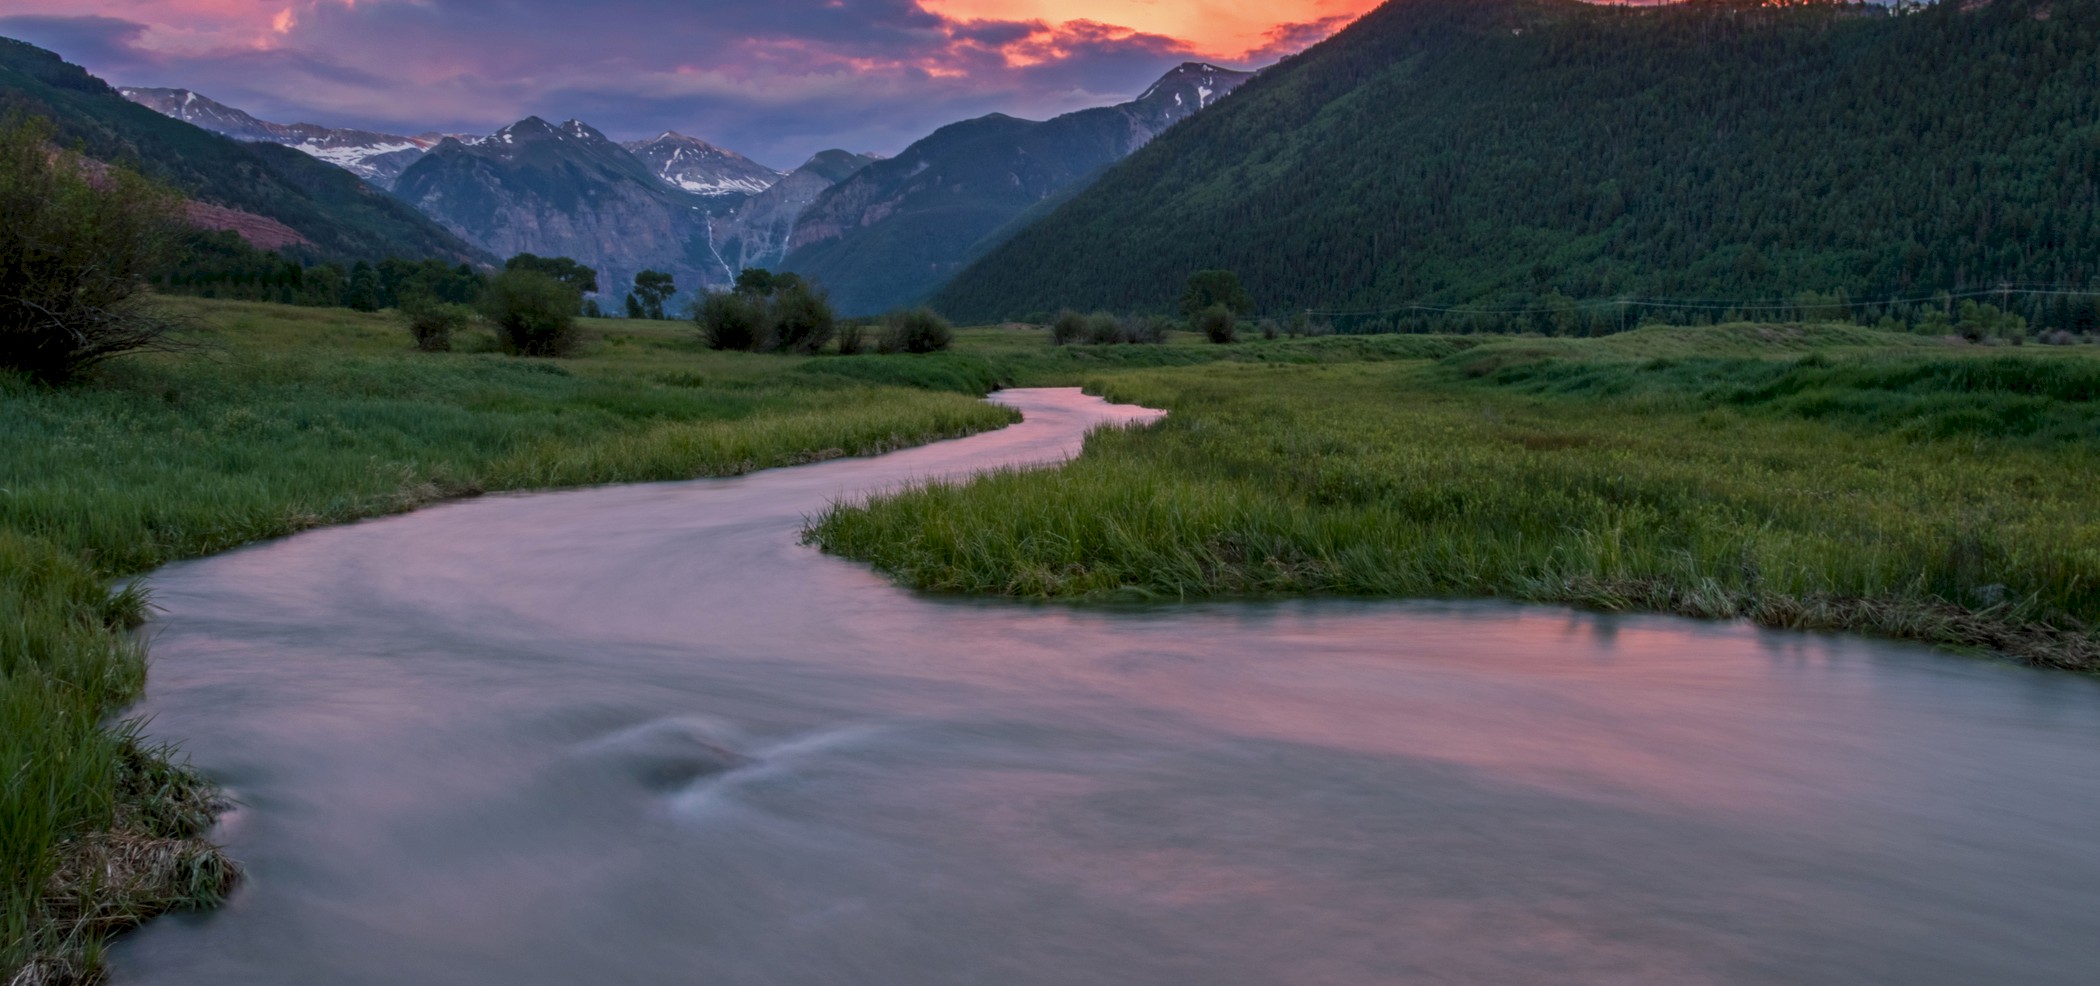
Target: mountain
(566, 190)
(755, 233)
(701, 168)
(249, 187)
(892, 233)
(1526, 153)
(376, 157)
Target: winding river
(639, 735)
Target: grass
(1815, 477)
(279, 419)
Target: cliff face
(566, 191)
(756, 233)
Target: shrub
(432, 323)
(534, 314)
(1269, 328)
(1151, 330)
(1103, 329)
(1217, 324)
(802, 319)
(76, 244)
(1070, 327)
(919, 330)
(853, 338)
(733, 320)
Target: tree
(651, 289)
(802, 319)
(1215, 287)
(763, 283)
(76, 244)
(634, 306)
(534, 314)
(366, 293)
(583, 280)
(1217, 324)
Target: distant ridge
(334, 215)
(694, 165)
(894, 232)
(375, 157)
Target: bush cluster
(433, 323)
(917, 330)
(1102, 328)
(1217, 324)
(533, 313)
(766, 312)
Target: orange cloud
(1223, 29)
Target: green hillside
(1520, 153)
(344, 218)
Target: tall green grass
(277, 420)
(1834, 480)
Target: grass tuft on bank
(1812, 477)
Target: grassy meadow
(1809, 476)
(276, 419)
(1826, 477)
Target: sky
(775, 79)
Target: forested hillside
(338, 216)
(1534, 153)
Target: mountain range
(894, 231)
(279, 198)
(375, 157)
(567, 190)
(1532, 154)
(876, 233)
(696, 166)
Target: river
(639, 734)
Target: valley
(1502, 491)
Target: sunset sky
(776, 79)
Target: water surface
(639, 735)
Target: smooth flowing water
(640, 735)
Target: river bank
(1807, 477)
(279, 419)
(672, 745)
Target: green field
(277, 419)
(1819, 477)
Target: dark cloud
(103, 43)
(777, 79)
(1285, 39)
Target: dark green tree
(74, 254)
(366, 291)
(733, 320)
(802, 319)
(583, 280)
(651, 289)
(634, 306)
(764, 283)
(1215, 287)
(534, 314)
